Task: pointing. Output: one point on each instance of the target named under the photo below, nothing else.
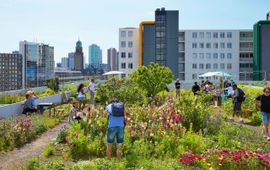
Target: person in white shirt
(91, 88)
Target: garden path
(15, 158)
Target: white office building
(128, 49)
(202, 51)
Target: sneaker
(231, 119)
(268, 138)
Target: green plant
(48, 151)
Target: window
(123, 55)
(201, 34)
(130, 65)
(208, 45)
(208, 55)
(194, 35)
(215, 66)
(201, 55)
(200, 66)
(229, 45)
(123, 44)
(229, 66)
(194, 45)
(130, 33)
(130, 44)
(123, 65)
(216, 45)
(222, 66)
(129, 55)
(222, 45)
(194, 55)
(215, 35)
(229, 55)
(222, 55)
(222, 35)
(208, 66)
(123, 33)
(229, 35)
(194, 66)
(194, 76)
(215, 56)
(201, 45)
(208, 35)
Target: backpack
(241, 96)
(118, 109)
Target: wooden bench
(49, 105)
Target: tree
(53, 84)
(153, 79)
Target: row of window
(123, 44)
(209, 55)
(215, 66)
(208, 45)
(123, 33)
(123, 65)
(210, 35)
(123, 55)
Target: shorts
(237, 106)
(81, 99)
(265, 118)
(115, 132)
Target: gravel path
(16, 158)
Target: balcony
(246, 49)
(246, 39)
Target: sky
(60, 23)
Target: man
(263, 101)
(116, 124)
(177, 88)
(29, 104)
(91, 88)
(195, 88)
(237, 96)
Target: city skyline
(61, 26)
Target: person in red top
(177, 88)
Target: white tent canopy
(113, 73)
(217, 74)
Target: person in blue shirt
(116, 125)
(29, 105)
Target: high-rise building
(128, 55)
(95, 56)
(64, 62)
(261, 50)
(112, 59)
(10, 71)
(201, 51)
(78, 57)
(71, 59)
(158, 40)
(38, 63)
(268, 16)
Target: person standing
(177, 88)
(263, 101)
(116, 126)
(238, 98)
(81, 96)
(195, 88)
(91, 88)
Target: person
(263, 101)
(195, 88)
(29, 104)
(34, 97)
(72, 113)
(81, 96)
(177, 88)
(116, 126)
(237, 102)
(91, 88)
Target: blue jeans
(115, 132)
(265, 118)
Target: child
(29, 104)
(81, 96)
(74, 113)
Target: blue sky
(61, 22)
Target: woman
(81, 96)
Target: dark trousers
(31, 110)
